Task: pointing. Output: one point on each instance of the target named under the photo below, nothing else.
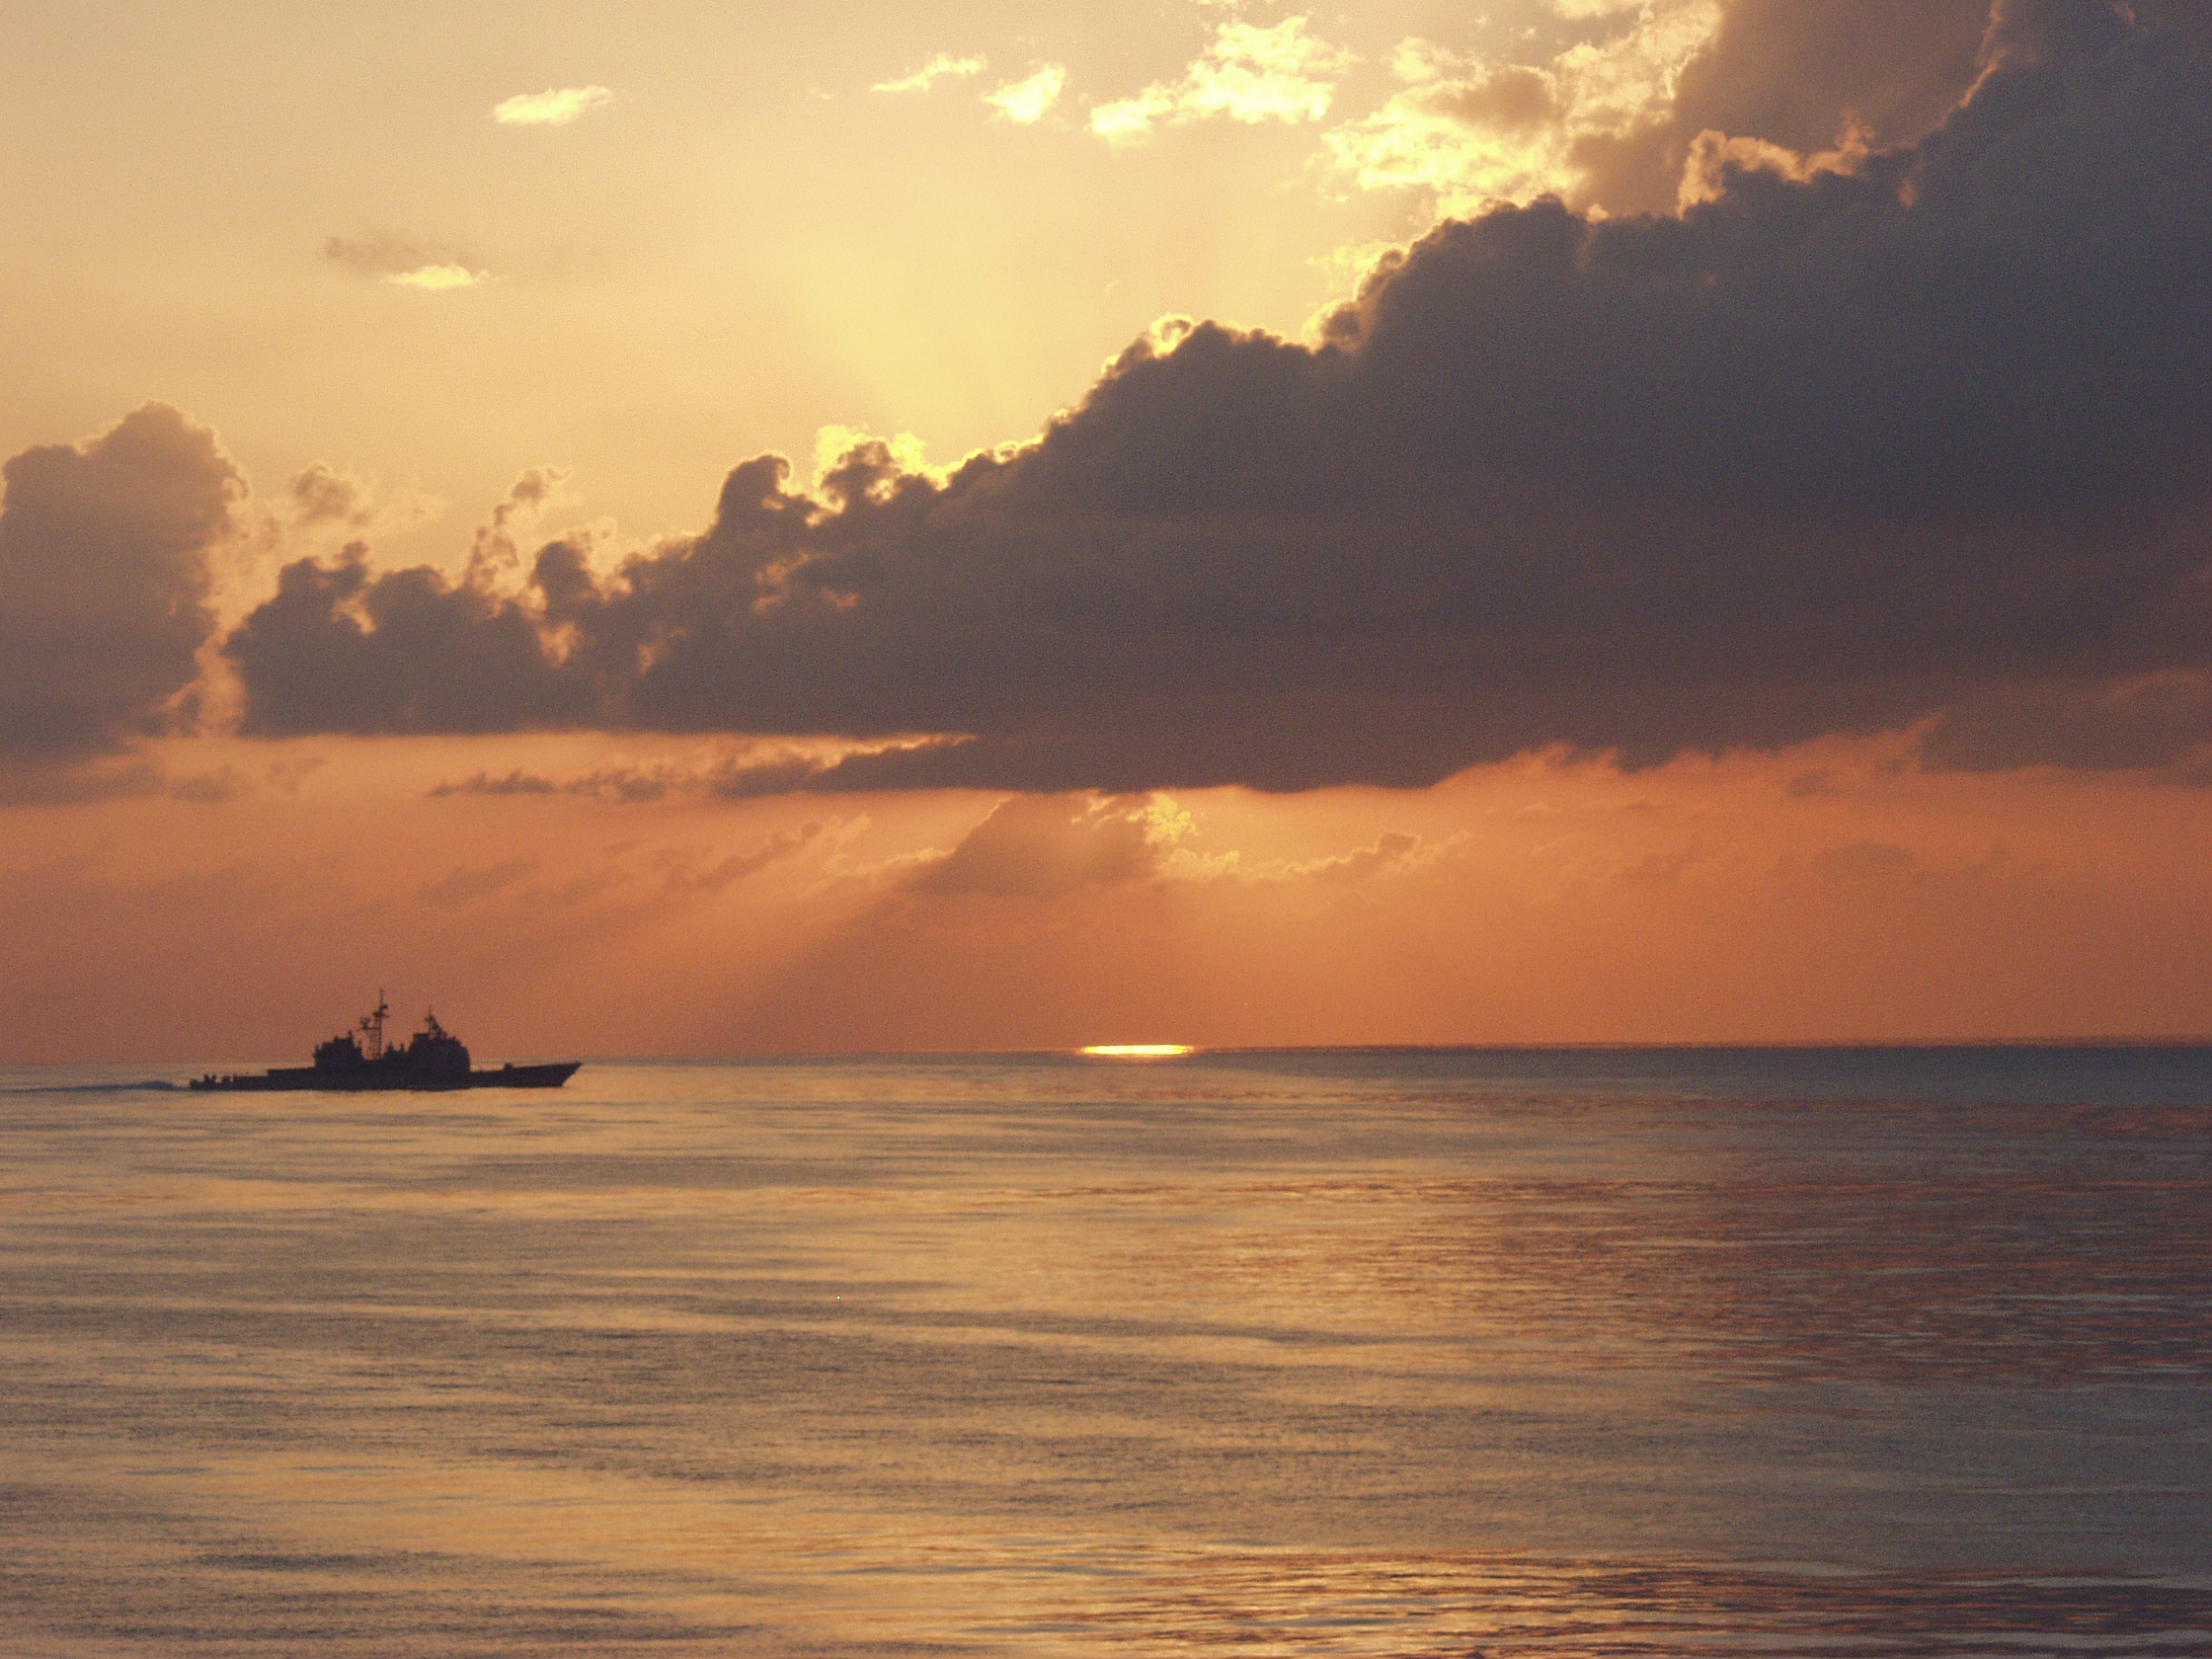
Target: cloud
(214, 788)
(1795, 77)
(1808, 80)
(406, 262)
(46, 781)
(495, 551)
(438, 279)
(2027, 34)
(354, 654)
(1657, 83)
(1047, 847)
(554, 107)
(1392, 852)
(684, 872)
(392, 253)
(1247, 74)
(1472, 134)
(1025, 102)
(466, 884)
(322, 495)
(1825, 452)
(517, 782)
(104, 583)
(766, 770)
(288, 775)
(2154, 723)
(2191, 17)
(940, 67)
(380, 253)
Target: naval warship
(432, 1058)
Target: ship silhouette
(358, 1059)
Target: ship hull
(384, 1081)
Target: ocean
(1846, 1351)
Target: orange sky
(1819, 894)
(1897, 727)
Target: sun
(1137, 1051)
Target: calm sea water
(1676, 1351)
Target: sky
(687, 531)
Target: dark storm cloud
(2142, 724)
(401, 652)
(1811, 457)
(2191, 17)
(1800, 76)
(1806, 77)
(102, 582)
(2023, 34)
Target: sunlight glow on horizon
(1137, 1051)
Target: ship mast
(372, 1028)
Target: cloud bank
(1919, 432)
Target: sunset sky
(682, 528)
